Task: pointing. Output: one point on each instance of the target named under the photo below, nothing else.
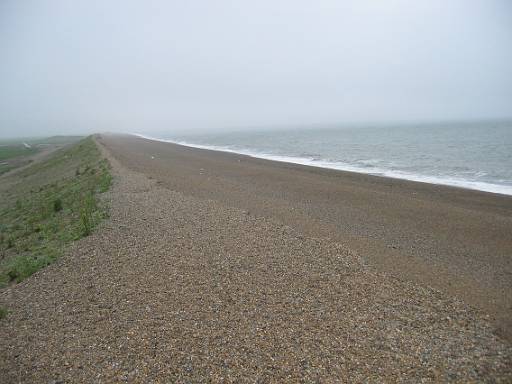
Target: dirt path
(175, 288)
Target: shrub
(3, 312)
(105, 182)
(22, 267)
(86, 222)
(57, 205)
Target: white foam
(450, 181)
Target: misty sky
(84, 66)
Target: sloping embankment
(180, 289)
(47, 206)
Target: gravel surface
(452, 239)
(174, 288)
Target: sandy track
(178, 288)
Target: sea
(468, 155)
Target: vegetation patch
(13, 151)
(3, 313)
(49, 205)
(9, 151)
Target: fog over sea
(469, 155)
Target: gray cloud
(82, 66)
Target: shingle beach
(184, 287)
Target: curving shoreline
(181, 284)
(452, 239)
(450, 182)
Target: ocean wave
(364, 169)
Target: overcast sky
(82, 66)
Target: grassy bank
(15, 153)
(10, 152)
(47, 206)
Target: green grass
(53, 203)
(10, 155)
(14, 154)
(3, 312)
(10, 151)
(41, 140)
(4, 168)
